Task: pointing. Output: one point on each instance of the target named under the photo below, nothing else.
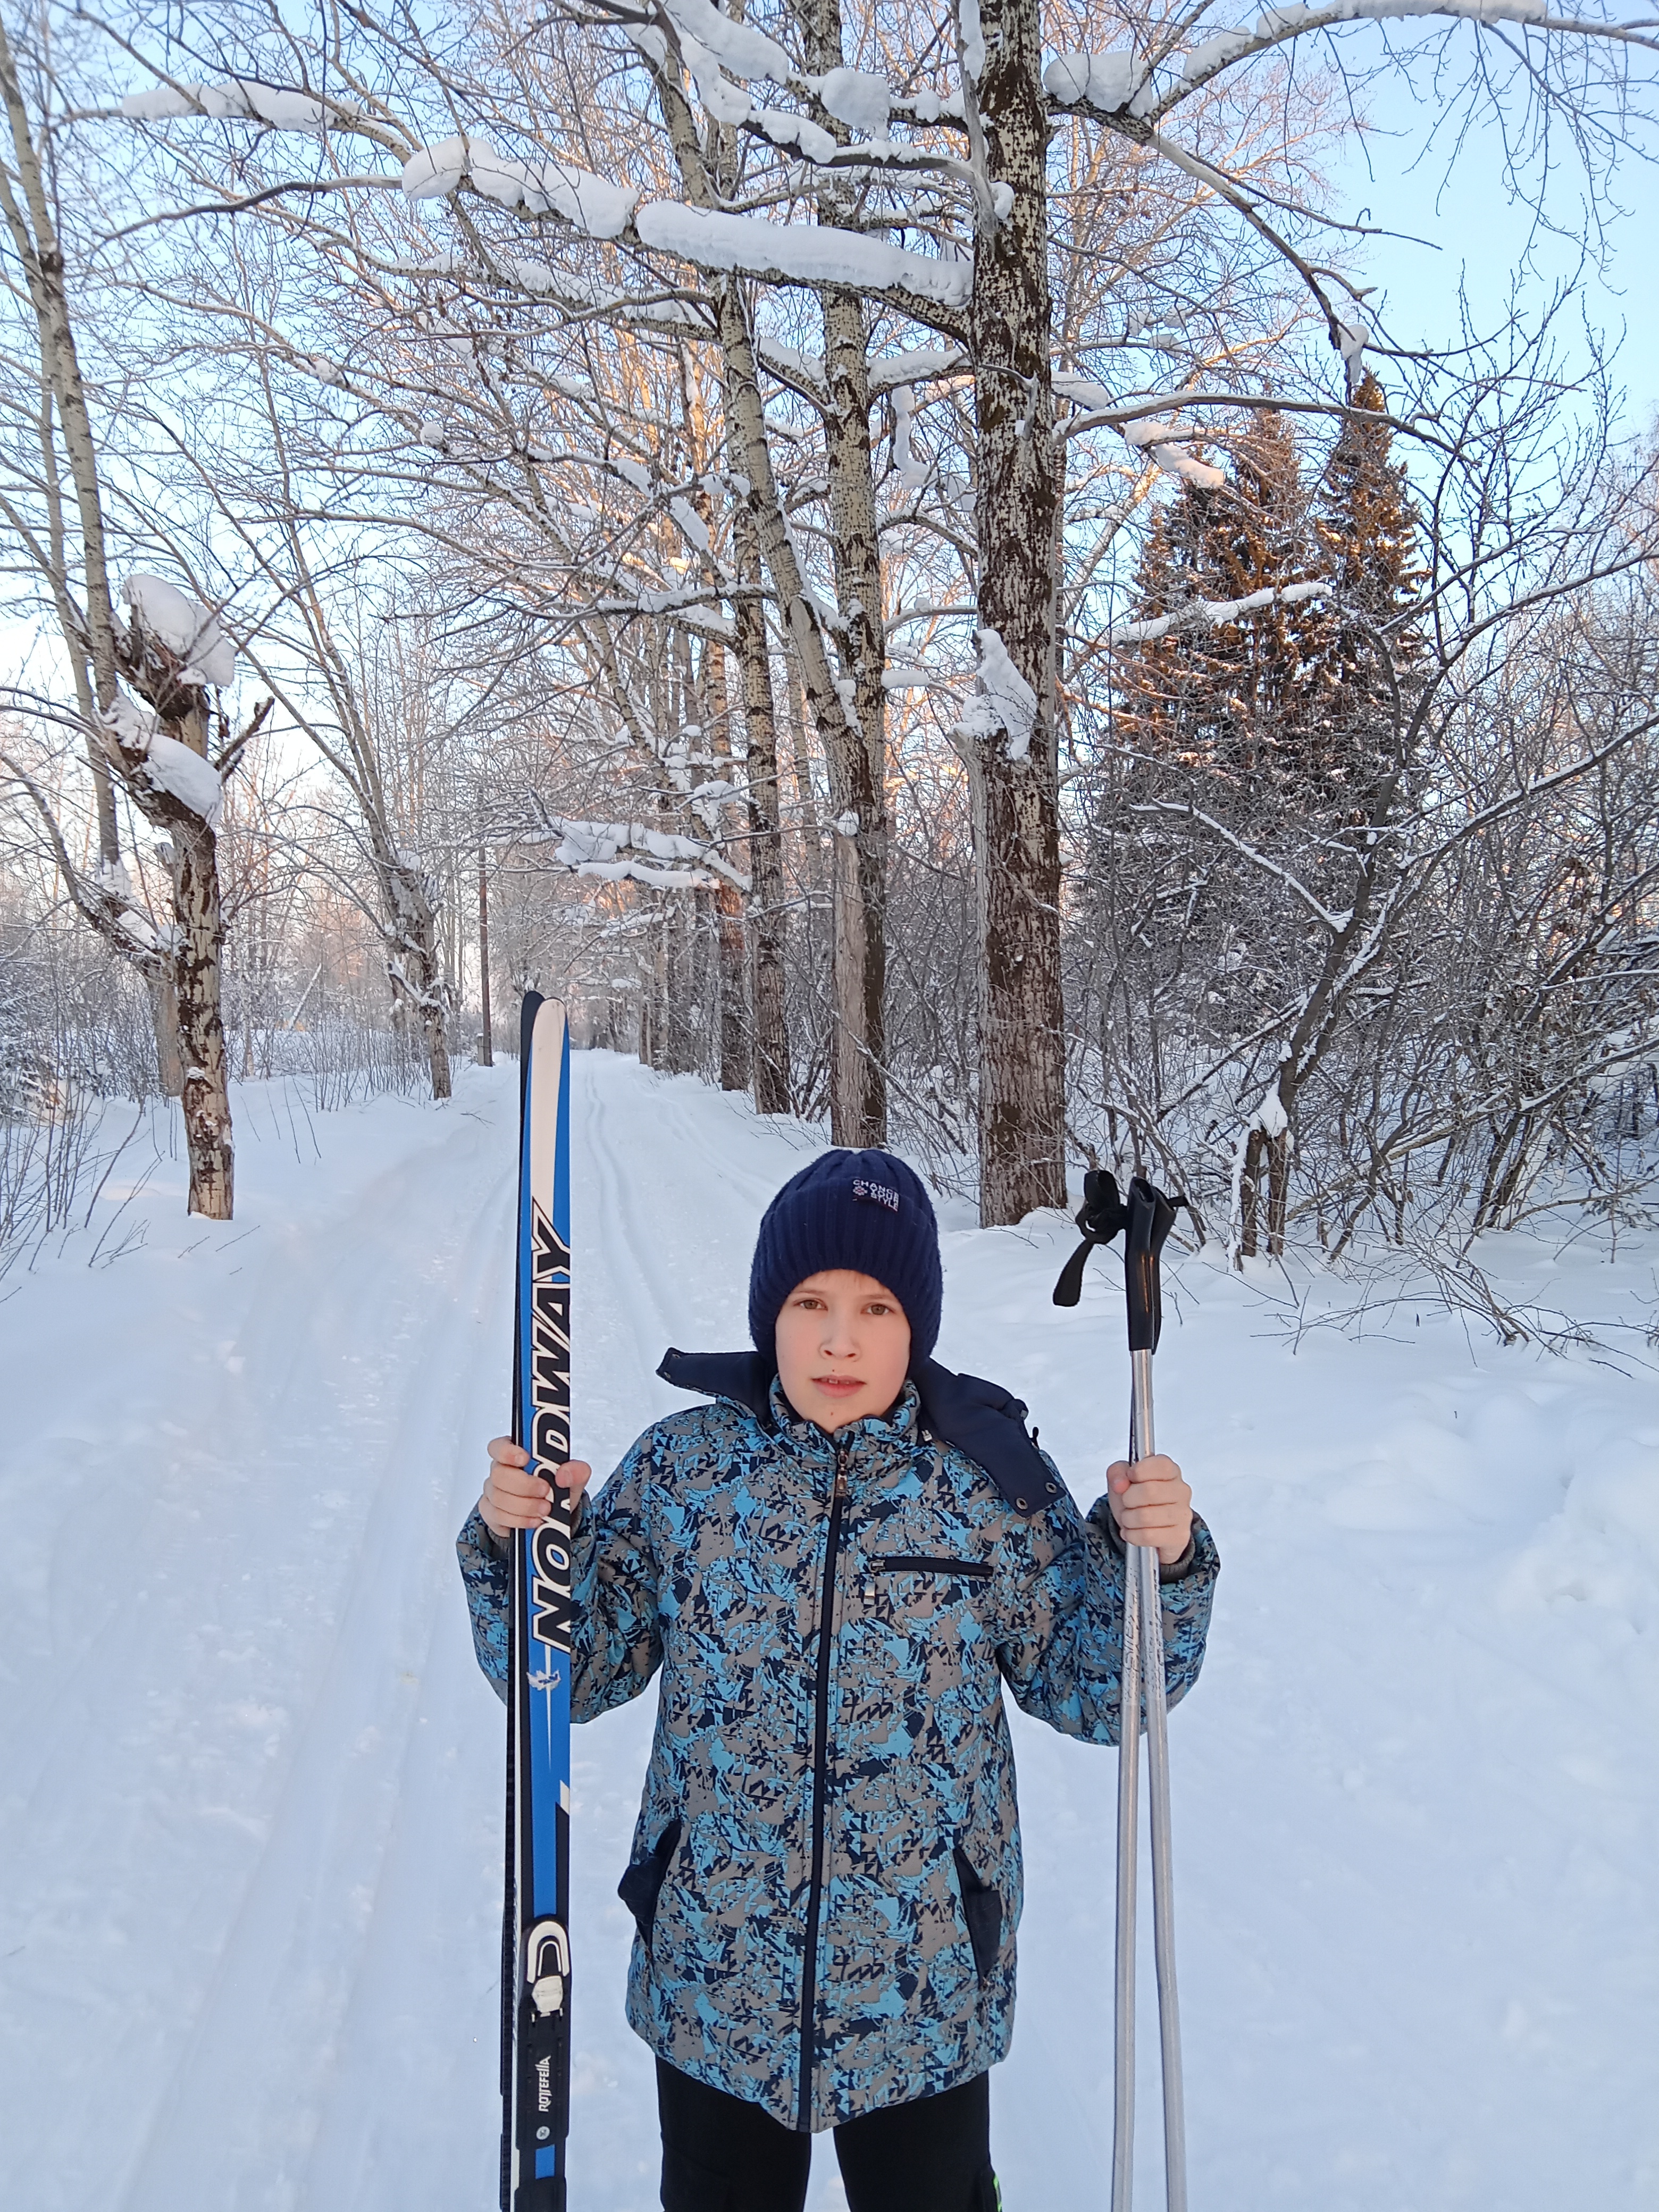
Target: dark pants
(721, 2155)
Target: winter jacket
(825, 1872)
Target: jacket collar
(980, 1418)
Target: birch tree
(167, 648)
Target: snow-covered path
(249, 1777)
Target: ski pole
(1147, 1217)
(1151, 1216)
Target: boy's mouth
(838, 1386)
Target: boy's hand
(1151, 1504)
(515, 1498)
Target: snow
(746, 51)
(801, 253)
(785, 130)
(973, 40)
(1353, 336)
(858, 100)
(913, 469)
(133, 726)
(249, 1829)
(1194, 612)
(588, 203)
(1215, 53)
(1270, 1116)
(279, 106)
(726, 102)
(1106, 80)
(915, 365)
(175, 768)
(186, 630)
(1002, 700)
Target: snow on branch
(1165, 442)
(802, 253)
(1160, 440)
(916, 365)
(164, 762)
(740, 47)
(277, 106)
(595, 207)
(1002, 699)
(605, 850)
(1209, 614)
(690, 607)
(1107, 81)
(187, 630)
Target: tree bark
(1249, 1195)
(1016, 794)
(734, 1009)
(201, 1032)
(486, 1037)
(769, 1058)
(856, 755)
(855, 742)
(414, 965)
(164, 1014)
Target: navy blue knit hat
(865, 1211)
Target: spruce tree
(1228, 699)
(1365, 647)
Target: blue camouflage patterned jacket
(826, 1868)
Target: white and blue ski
(536, 1947)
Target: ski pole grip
(1152, 1215)
(1100, 1218)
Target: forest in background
(890, 561)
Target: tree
(169, 650)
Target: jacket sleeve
(484, 1568)
(1061, 1650)
(617, 1636)
(617, 1640)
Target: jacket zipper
(808, 1981)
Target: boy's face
(844, 1346)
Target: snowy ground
(249, 1779)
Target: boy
(837, 1564)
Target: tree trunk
(856, 755)
(486, 1038)
(854, 742)
(1278, 1192)
(734, 1008)
(414, 966)
(769, 1058)
(1015, 784)
(732, 952)
(1249, 1195)
(201, 1032)
(164, 1013)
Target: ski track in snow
(250, 1779)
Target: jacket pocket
(641, 1885)
(906, 1563)
(982, 1908)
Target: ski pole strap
(1100, 1217)
(1149, 1217)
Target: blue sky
(1474, 234)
